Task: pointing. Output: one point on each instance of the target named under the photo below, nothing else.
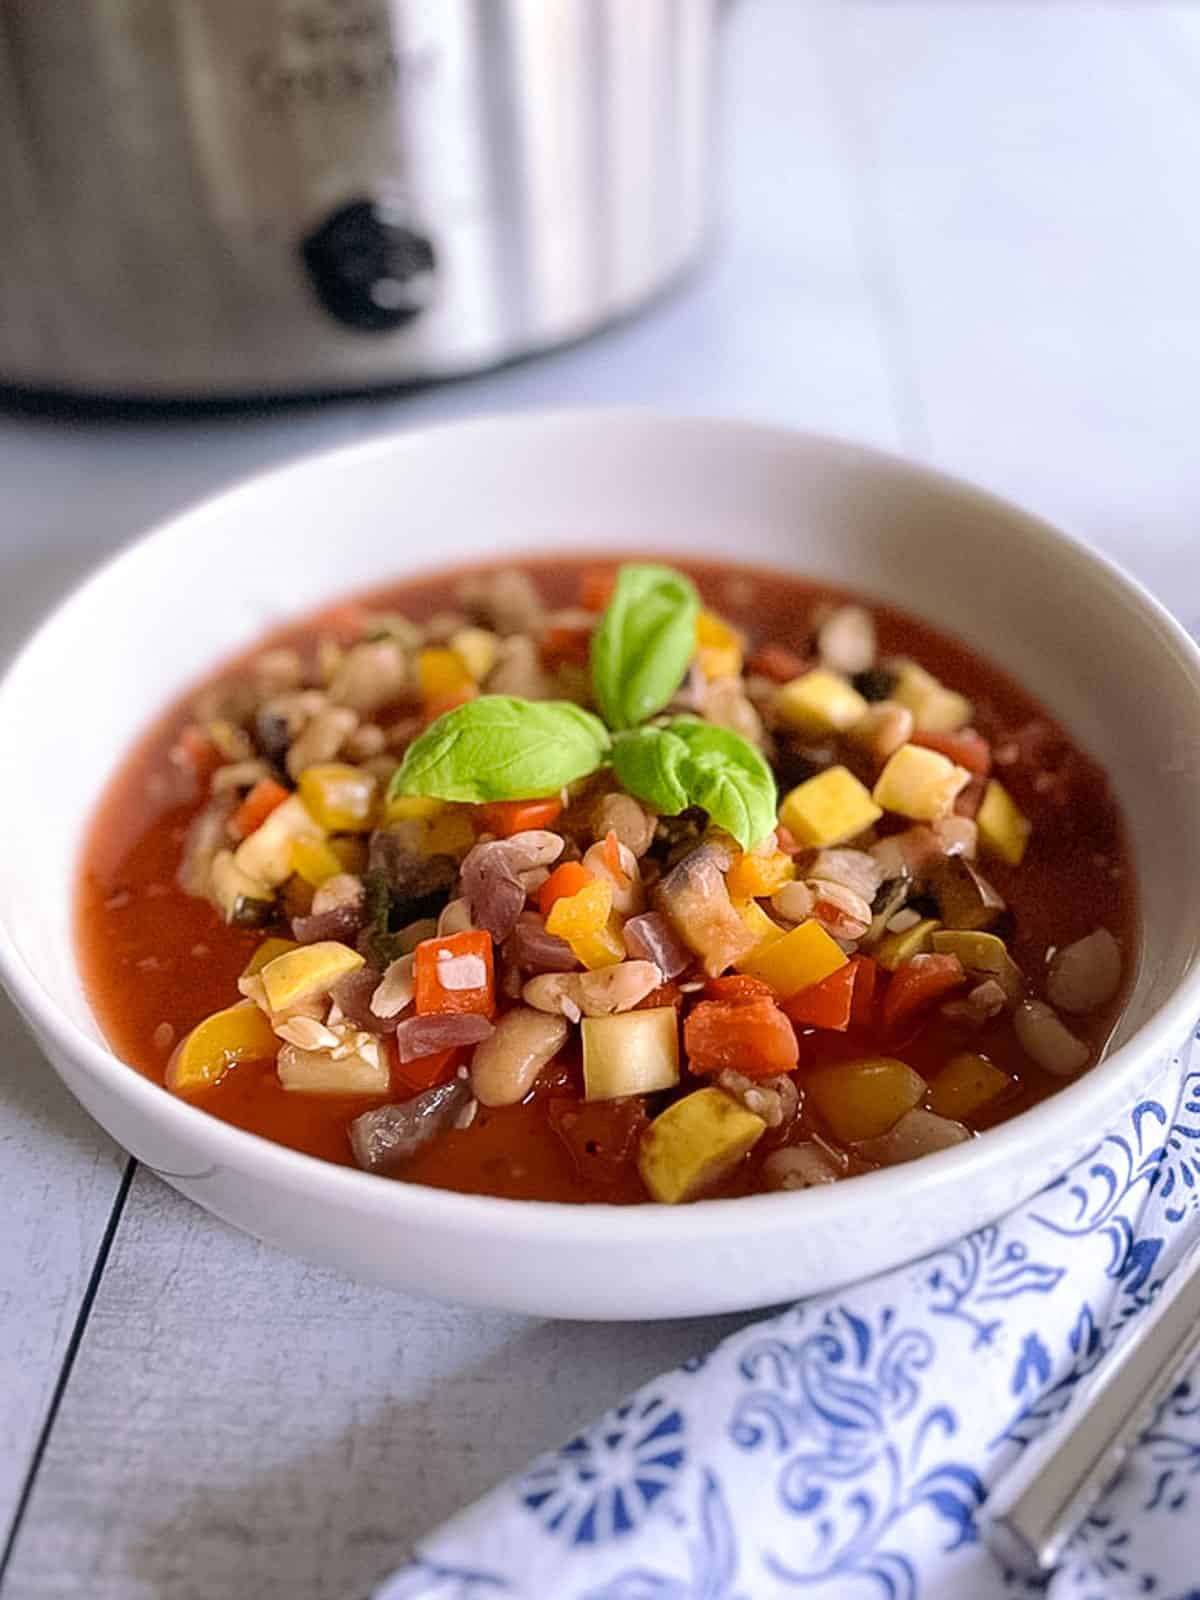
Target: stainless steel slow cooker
(203, 198)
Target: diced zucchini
(919, 783)
(635, 1052)
(342, 799)
(965, 1084)
(243, 900)
(863, 1099)
(965, 898)
(804, 955)
(1003, 829)
(412, 808)
(314, 861)
(695, 1143)
(238, 1033)
(307, 972)
(819, 702)
(935, 708)
(829, 809)
(985, 956)
(267, 951)
(267, 854)
(477, 649)
(363, 1071)
(894, 949)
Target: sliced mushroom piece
(385, 1139)
(1046, 1040)
(1086, 974)
(966, 900)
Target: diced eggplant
(985, 956)
(385, 1139)
(267, 853)
(694, 897)
(966, 900)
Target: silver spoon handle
(1037, 1506)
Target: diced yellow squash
(935, 708)
(363, 1071)
(450, 834)
(819, 702)
(982, 955)
(804, 955)
(243, 900)
(314, 861)
(919, 783)
(441, 674)
(343, 799)
(753, 877)
(307, 972)
(477, 649)
(267, 951)
(412, 808)
(635, 1052)
(863, 1099)
(238, 1033)
(1003, 829)
(695, 1143)
(718, 647)
(965, 1084)
(267, 853)
(894, 949)
(765, 930)
(828, 809)
(588, 923)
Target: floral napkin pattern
(843, 1450)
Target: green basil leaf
(692, 763)
(498, 747)
(643, 643)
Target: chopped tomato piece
(915, 986)
(448, 702)
(426, 1072)
(866, 980)
(968, 748)
(667, 994)
(776, 661)
(596, 585)
(751, 1036)
(506, 817)
(347, 620)
(258, 805)
(738, 986)
(562, 883)
(454, 975)
(196, 751)
(828, 1004)
(566, 644)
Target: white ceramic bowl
(1100, 653)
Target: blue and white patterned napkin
(843, 1450)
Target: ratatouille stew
(609, 882)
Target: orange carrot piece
(827, 1004)
(612, 856)
(866, 978)
(562, 883)
(435, 998)
(751, 1036)
(448, 702)
(258, 805)
(566, 644)
(915, 986)
(968, 748)
(506, 817)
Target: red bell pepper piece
(751, 1036)
(827, 1004)
(915, 986)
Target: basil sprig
(643, 643)
(498, 747)
(692, 763)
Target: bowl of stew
(601, 864)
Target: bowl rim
(224, 1145)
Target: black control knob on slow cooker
(369, 271)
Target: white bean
(1086, 974)
(505, 1065)
(846, 640)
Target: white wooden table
(968, 231)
